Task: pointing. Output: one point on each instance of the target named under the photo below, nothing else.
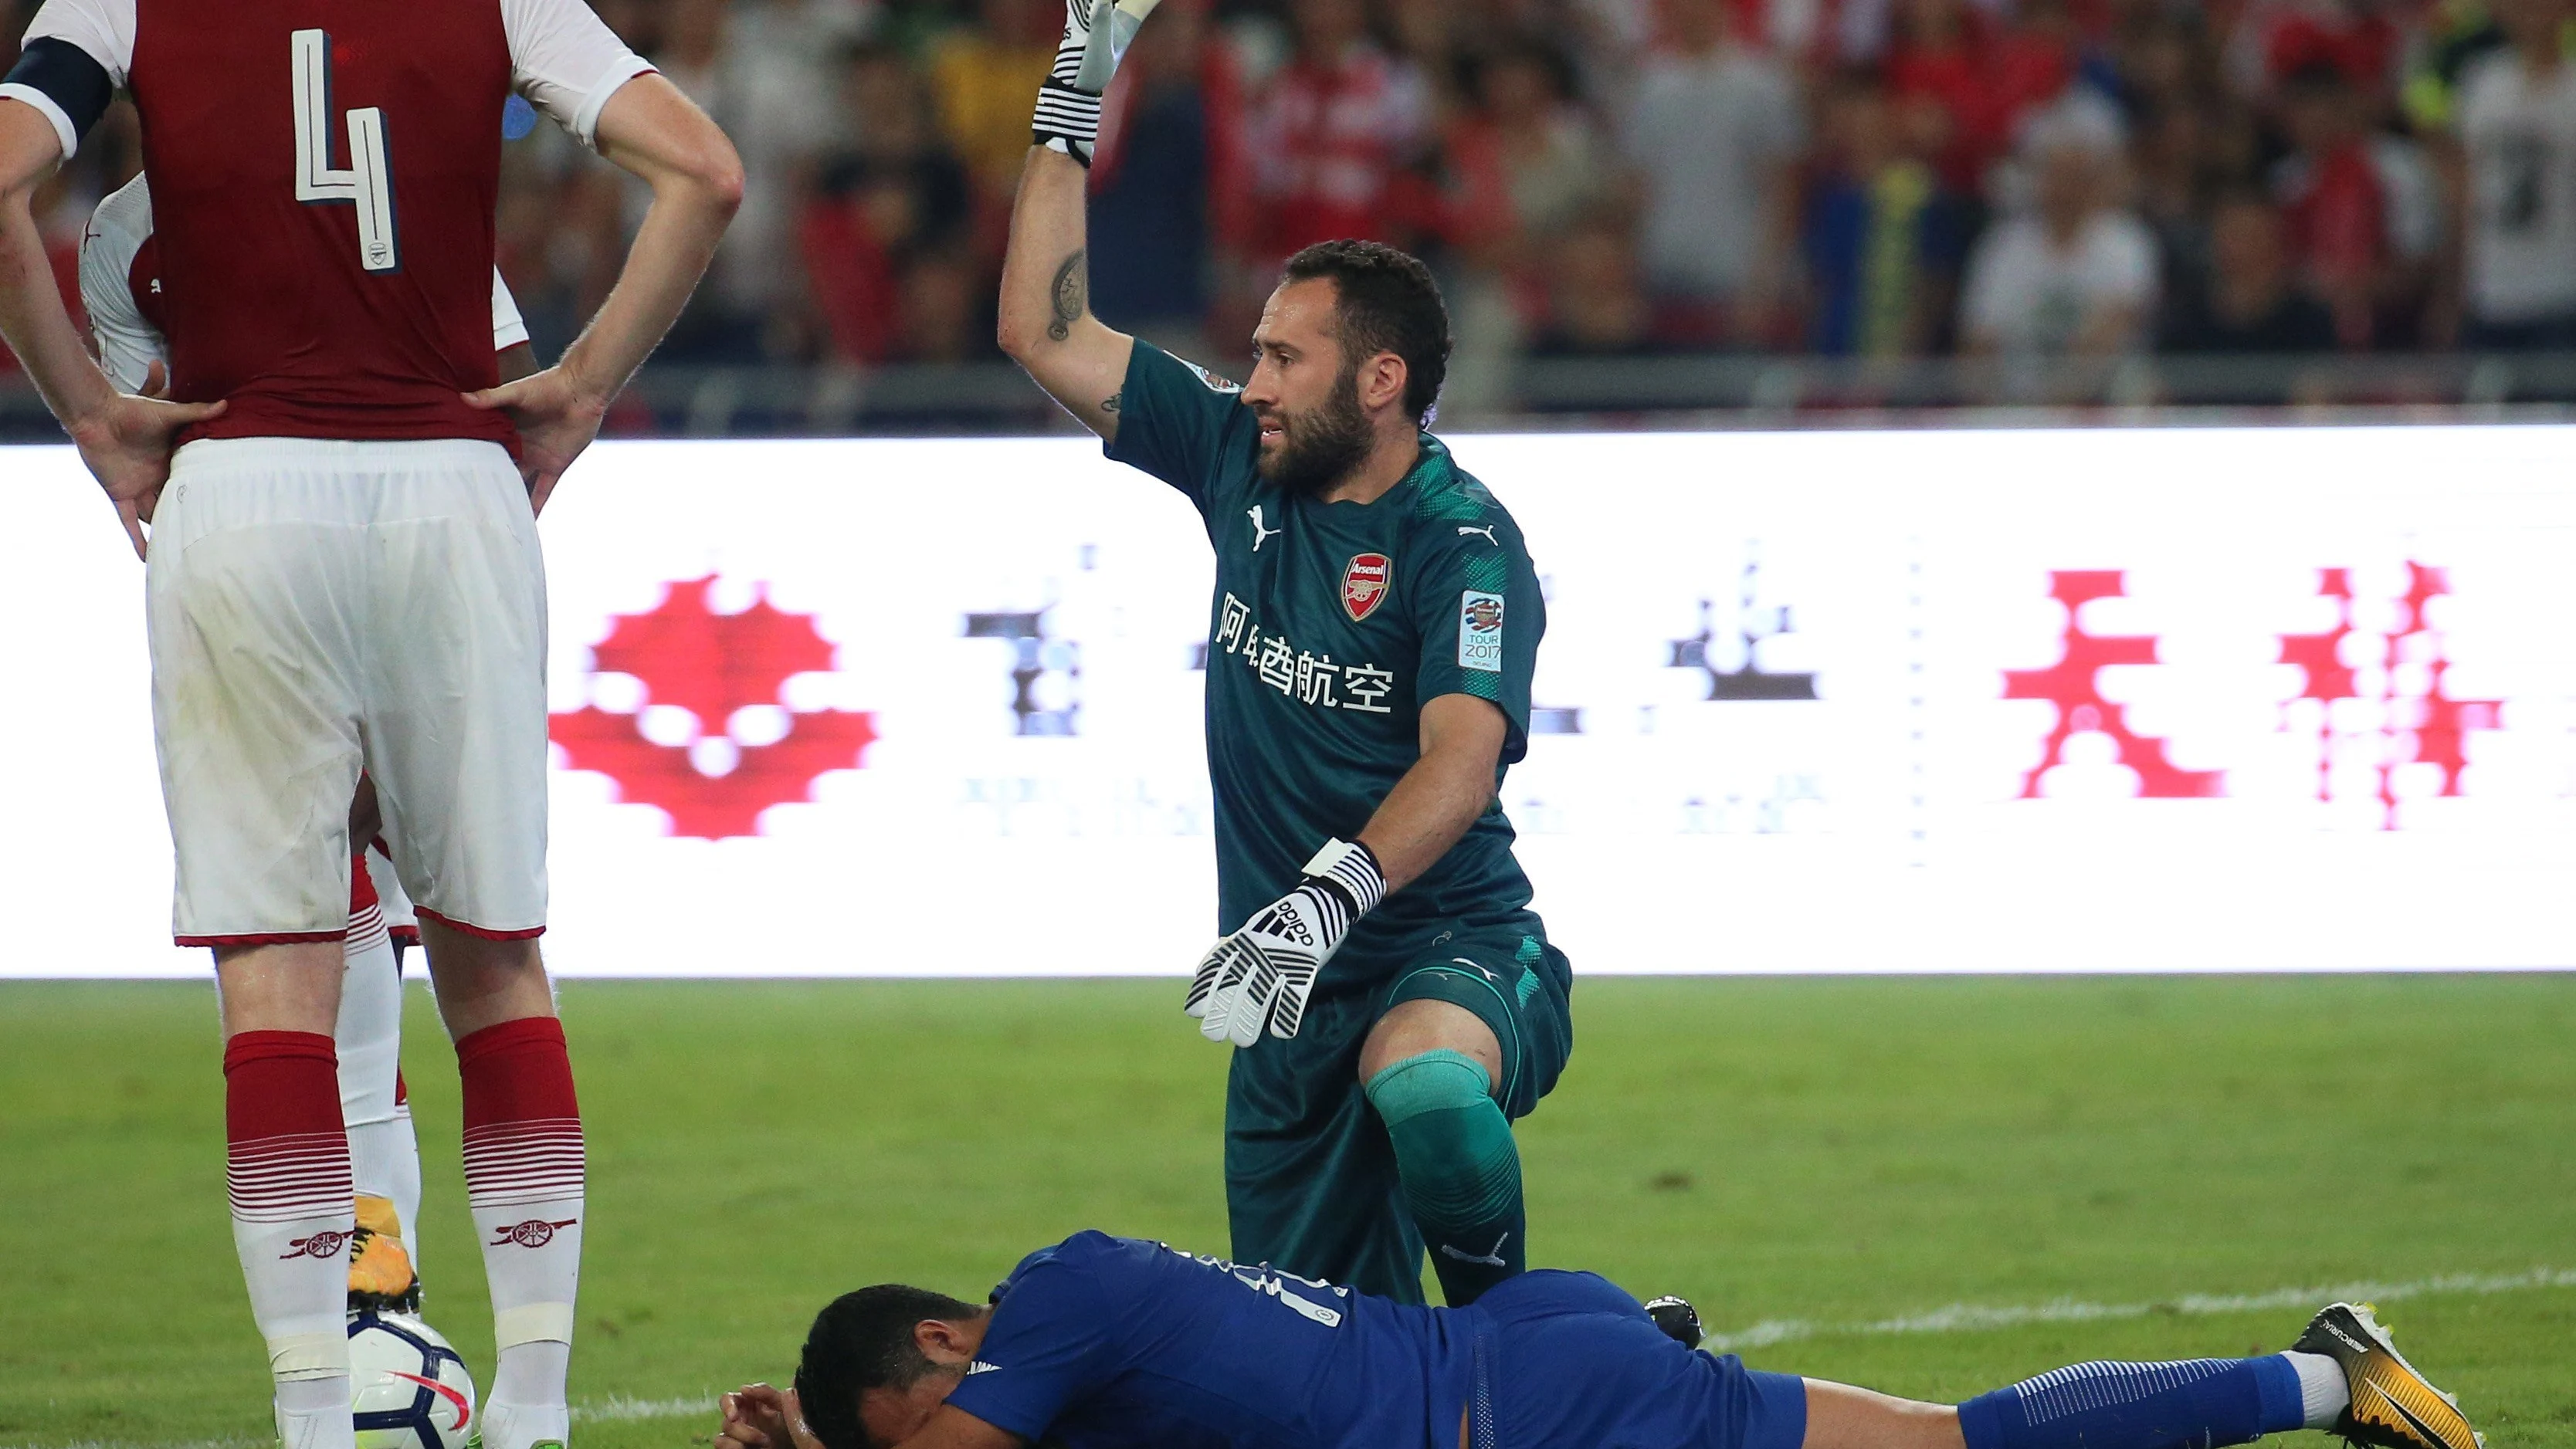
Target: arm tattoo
(1071, 294)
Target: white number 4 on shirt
(368, 182)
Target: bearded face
(1306, 451)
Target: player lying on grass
(1100, 1342)
(1394, 1002)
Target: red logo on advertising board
(1364, 585)
(720, 774)
(2375, 694)
(2399, 675)
(2073, 685)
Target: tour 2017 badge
(1364, 585)
(1480, 631)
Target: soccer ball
(407, 1388)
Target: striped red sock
(523, 1181)
(287, 1166)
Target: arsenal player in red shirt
(343, 573)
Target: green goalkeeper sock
(1460, 1168)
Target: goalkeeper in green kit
(1393, 1001)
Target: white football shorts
(319, 607)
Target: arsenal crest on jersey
(1364, 585)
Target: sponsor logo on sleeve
(1214, 383)
(1364, 584)
(1480, 631)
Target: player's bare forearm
(32, 316)
(1430, 809)
(1046, 323)
(652, 131)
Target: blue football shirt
(1102, 1343)
(1119, 1343)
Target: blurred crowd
(1876, 178)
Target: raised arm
(1046, 321)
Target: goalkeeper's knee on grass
(1460, 1168)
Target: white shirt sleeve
(127, 344)
(102, 29)
(509, 329)
(565, 60)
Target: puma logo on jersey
(1260, 530)
(1487, 531)
(978, 1366)
(1493, 1259)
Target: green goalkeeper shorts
(1310, 1179)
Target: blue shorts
(1568, 1361)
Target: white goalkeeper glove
(1262, 974)
(1096, 35)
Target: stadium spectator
(1763, 183)
(1984, 79)
(2246, 302)
(2517, 129)
(1713, 133)
(1336, 138)
(1170, 204)
(2362, 216)
(2076, 274)
(1881, 234)
(895, 197)
(1596, 307)
(983, 75)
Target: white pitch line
(626, 1408)
(1970, 1318)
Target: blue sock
(2197, 1404)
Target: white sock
(402, 1185)
(2323, 1392)
(368, 1038)
(313, 1413)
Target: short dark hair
(1387, 302)
(862, 1341)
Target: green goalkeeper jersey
(1331, 624)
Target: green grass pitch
(1828, 1155)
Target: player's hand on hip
(127, 444)
(557, 418)
(1262, 975)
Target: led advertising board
(2057, 701)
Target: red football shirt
(323, 179)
